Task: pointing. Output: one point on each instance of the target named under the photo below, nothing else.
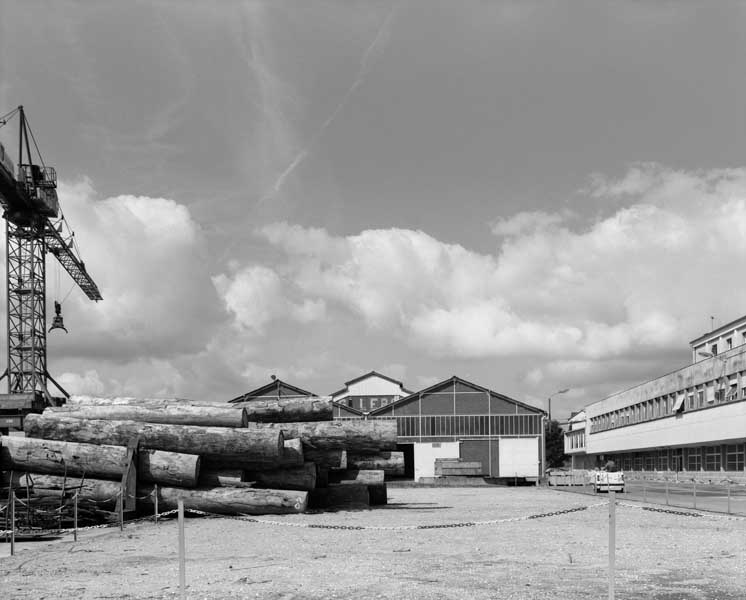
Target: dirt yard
(659, 555)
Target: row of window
(467, 425)
(701, 396)
(575, 440)
(722, 457)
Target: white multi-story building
(692, 419)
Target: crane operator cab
(57, 322)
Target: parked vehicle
(608, 481)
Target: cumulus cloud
(633, 283)
(255, 296)
(149, 259)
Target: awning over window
(679, 406)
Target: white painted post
(612, 541)
(666, 491)
(729, 496)
(75, 518)
(155, 502)
(182, 552)
(121, 511)
(644, 490)
(12, 522)
(694, 481)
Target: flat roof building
(692, 419)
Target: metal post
(666, 491)
(12, 523)
(612, 541)
(644, 490)
(75, 517)
(729, 496)
(182, 552)
(694, 481)
(121, 511)
(155, 502)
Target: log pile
(257, 457)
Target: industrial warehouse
(454, 428)
(692, 420)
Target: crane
(34, 226)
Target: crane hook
(57, 322)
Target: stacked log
(256, 457)
(88, 440)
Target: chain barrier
(251, 519)
(681, 512)
(414, 527)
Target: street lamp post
(549, 401)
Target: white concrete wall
(374, 386)
(721, 424)
(425, 454)
(519, 457)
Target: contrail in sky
(376, 46)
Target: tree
(554, 444)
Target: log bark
(168, 468)
(285, 410)
(99, 491)
(128, 400)
(292, 456)
(56, 457)
(359, 437)
(228, 500)
(351, 476)
(294, 478)
(205, 416)
(392, 463)
(223, 442)
(97, 461)
(327, 459)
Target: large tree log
(205, 416)
(56, 457)
(99, 491)
(327, 459)
(360, 437)
(285, 410)
(292, 456)
(340, 497)
(223, 442)
(294, 478)
(392, 463)
(352, 476)
(168, 468)
(128, 400)
(96, 461)
(228, 500)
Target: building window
(732, 393)
(729, 343)
(714, 349)
(693, 459)
(712, 458)
(734, 457)
(700, 398)
(690, 401)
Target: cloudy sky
(532, 196)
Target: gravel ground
(659, 555)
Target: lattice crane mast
(34, 226)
